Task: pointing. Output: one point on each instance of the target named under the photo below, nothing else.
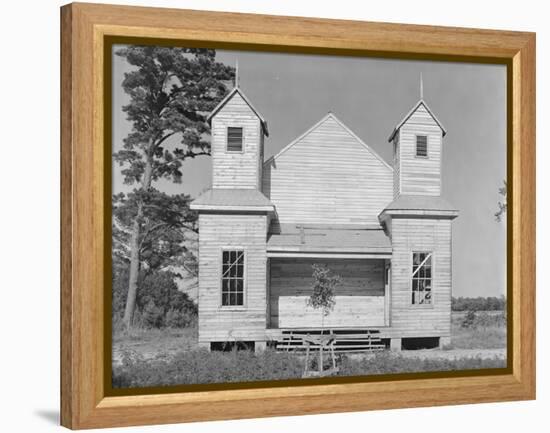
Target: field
(171, 356)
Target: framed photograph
(266, 215)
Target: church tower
(234, 218)
(238, 132)
(417, 144)
(419, 223)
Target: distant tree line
(490, 303)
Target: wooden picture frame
(85, 402)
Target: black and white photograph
(285, 216)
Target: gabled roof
(329, 115)
(410, 113)
(228, 98)
(419, 205)
(328, 239)
(232, 199)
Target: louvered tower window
(422, 146)
(234, 139)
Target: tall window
(422, 145)
(232, 277)
(234, 139)
(422, 278)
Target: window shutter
(234, 139)
(422, 145)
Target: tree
(171, 91)
(324, 284)
(502, 205)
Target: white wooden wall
(328, 177)
(232, 169)
(217, 323)
(417, 175)
(409, 320)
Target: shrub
(469, 319)
(152, 316)
(159, 302)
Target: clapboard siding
(293, 278)
(417, 175)
(234, 169)
(328, 177)
(218, 323)
(410, 235)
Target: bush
(483, 319)
(490, 303)
(469, 319)
(159, 302)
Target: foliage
(483, 319)
(202, 366)
(502, 205)
(491, 303)
(324, 284)
(166, 223)
(171, 91)
(159, 302)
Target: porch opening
(361, 299)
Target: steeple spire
(421, 87)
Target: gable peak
(421, 103)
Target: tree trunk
(134, 252)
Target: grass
(171, 357)
(488, 331)
(202, 366)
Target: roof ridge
(245, 98)
(410, 113)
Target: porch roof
(295, 238)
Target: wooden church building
(326, 198)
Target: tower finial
(237, 73)
(421, 87)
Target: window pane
(225, 299)
(240, 299)
(225, 257)
(233, 299)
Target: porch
(361, 256)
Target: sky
(371, 96)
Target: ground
(171, 356)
